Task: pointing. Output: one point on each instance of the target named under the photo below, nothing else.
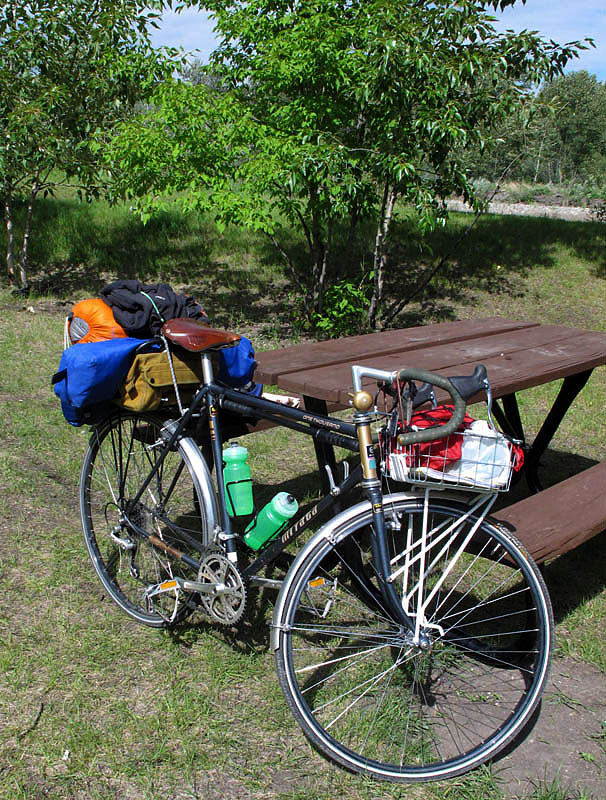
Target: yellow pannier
(149, 381)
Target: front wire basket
(479, 457)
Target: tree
(577, 127)
(560, 135)
(68, 71)
(330, 112)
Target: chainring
(227, 603)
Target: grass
(77, 248)
(94, 706)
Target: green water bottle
(237, 481)
(270, 519)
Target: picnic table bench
(518, 355)
(562, 517)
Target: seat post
(207, 368)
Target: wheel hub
(406, 639)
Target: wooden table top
(516, 354)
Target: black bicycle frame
(322, 428)
(325, 429)
(332, 432)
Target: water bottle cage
(273, 536)
(231, 499)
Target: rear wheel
(379, 700)
(135, 546)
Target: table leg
(324, 452)
(570, 388)
(510, 421)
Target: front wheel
(401, 705)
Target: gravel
(574, 213)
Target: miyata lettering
(300, 523)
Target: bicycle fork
(442, 544)
(421, 553)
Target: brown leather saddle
(196, 336)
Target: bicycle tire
(178, 508)
(369, 699)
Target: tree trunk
(380, 254)
(536, 172)
(10, 237)
(23, 257)
(321, 284)
(320, 250)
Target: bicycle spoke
(122, 454)
(376, 702)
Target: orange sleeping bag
(93, 320)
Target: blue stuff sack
(90, 375)
(237, 365)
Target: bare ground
(568, 741)
(573, 213)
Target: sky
(560, 20)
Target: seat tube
(207, 369)
(217, 450)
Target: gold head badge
(362, 400)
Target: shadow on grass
(495, 256)
(77, 248)
(574, 577)
(577, 576)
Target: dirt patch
(572, 213)
(54, 307)
(568, 741)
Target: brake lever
(423, 395)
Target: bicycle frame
(411, 633)
(323, 428)
(355, 437)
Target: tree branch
(292, 270)
(397, 307)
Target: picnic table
(517, 354)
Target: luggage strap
(156, 309)
(58, 376)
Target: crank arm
(266, 583)
(188, 586)
(207, 588)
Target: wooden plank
(274, 364)
(562, 517)
(514, 360)
(548, 363)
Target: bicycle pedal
(170, 585)
(330, 588)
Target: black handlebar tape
(437, 431)
(469, 385)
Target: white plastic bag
(485, 458)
